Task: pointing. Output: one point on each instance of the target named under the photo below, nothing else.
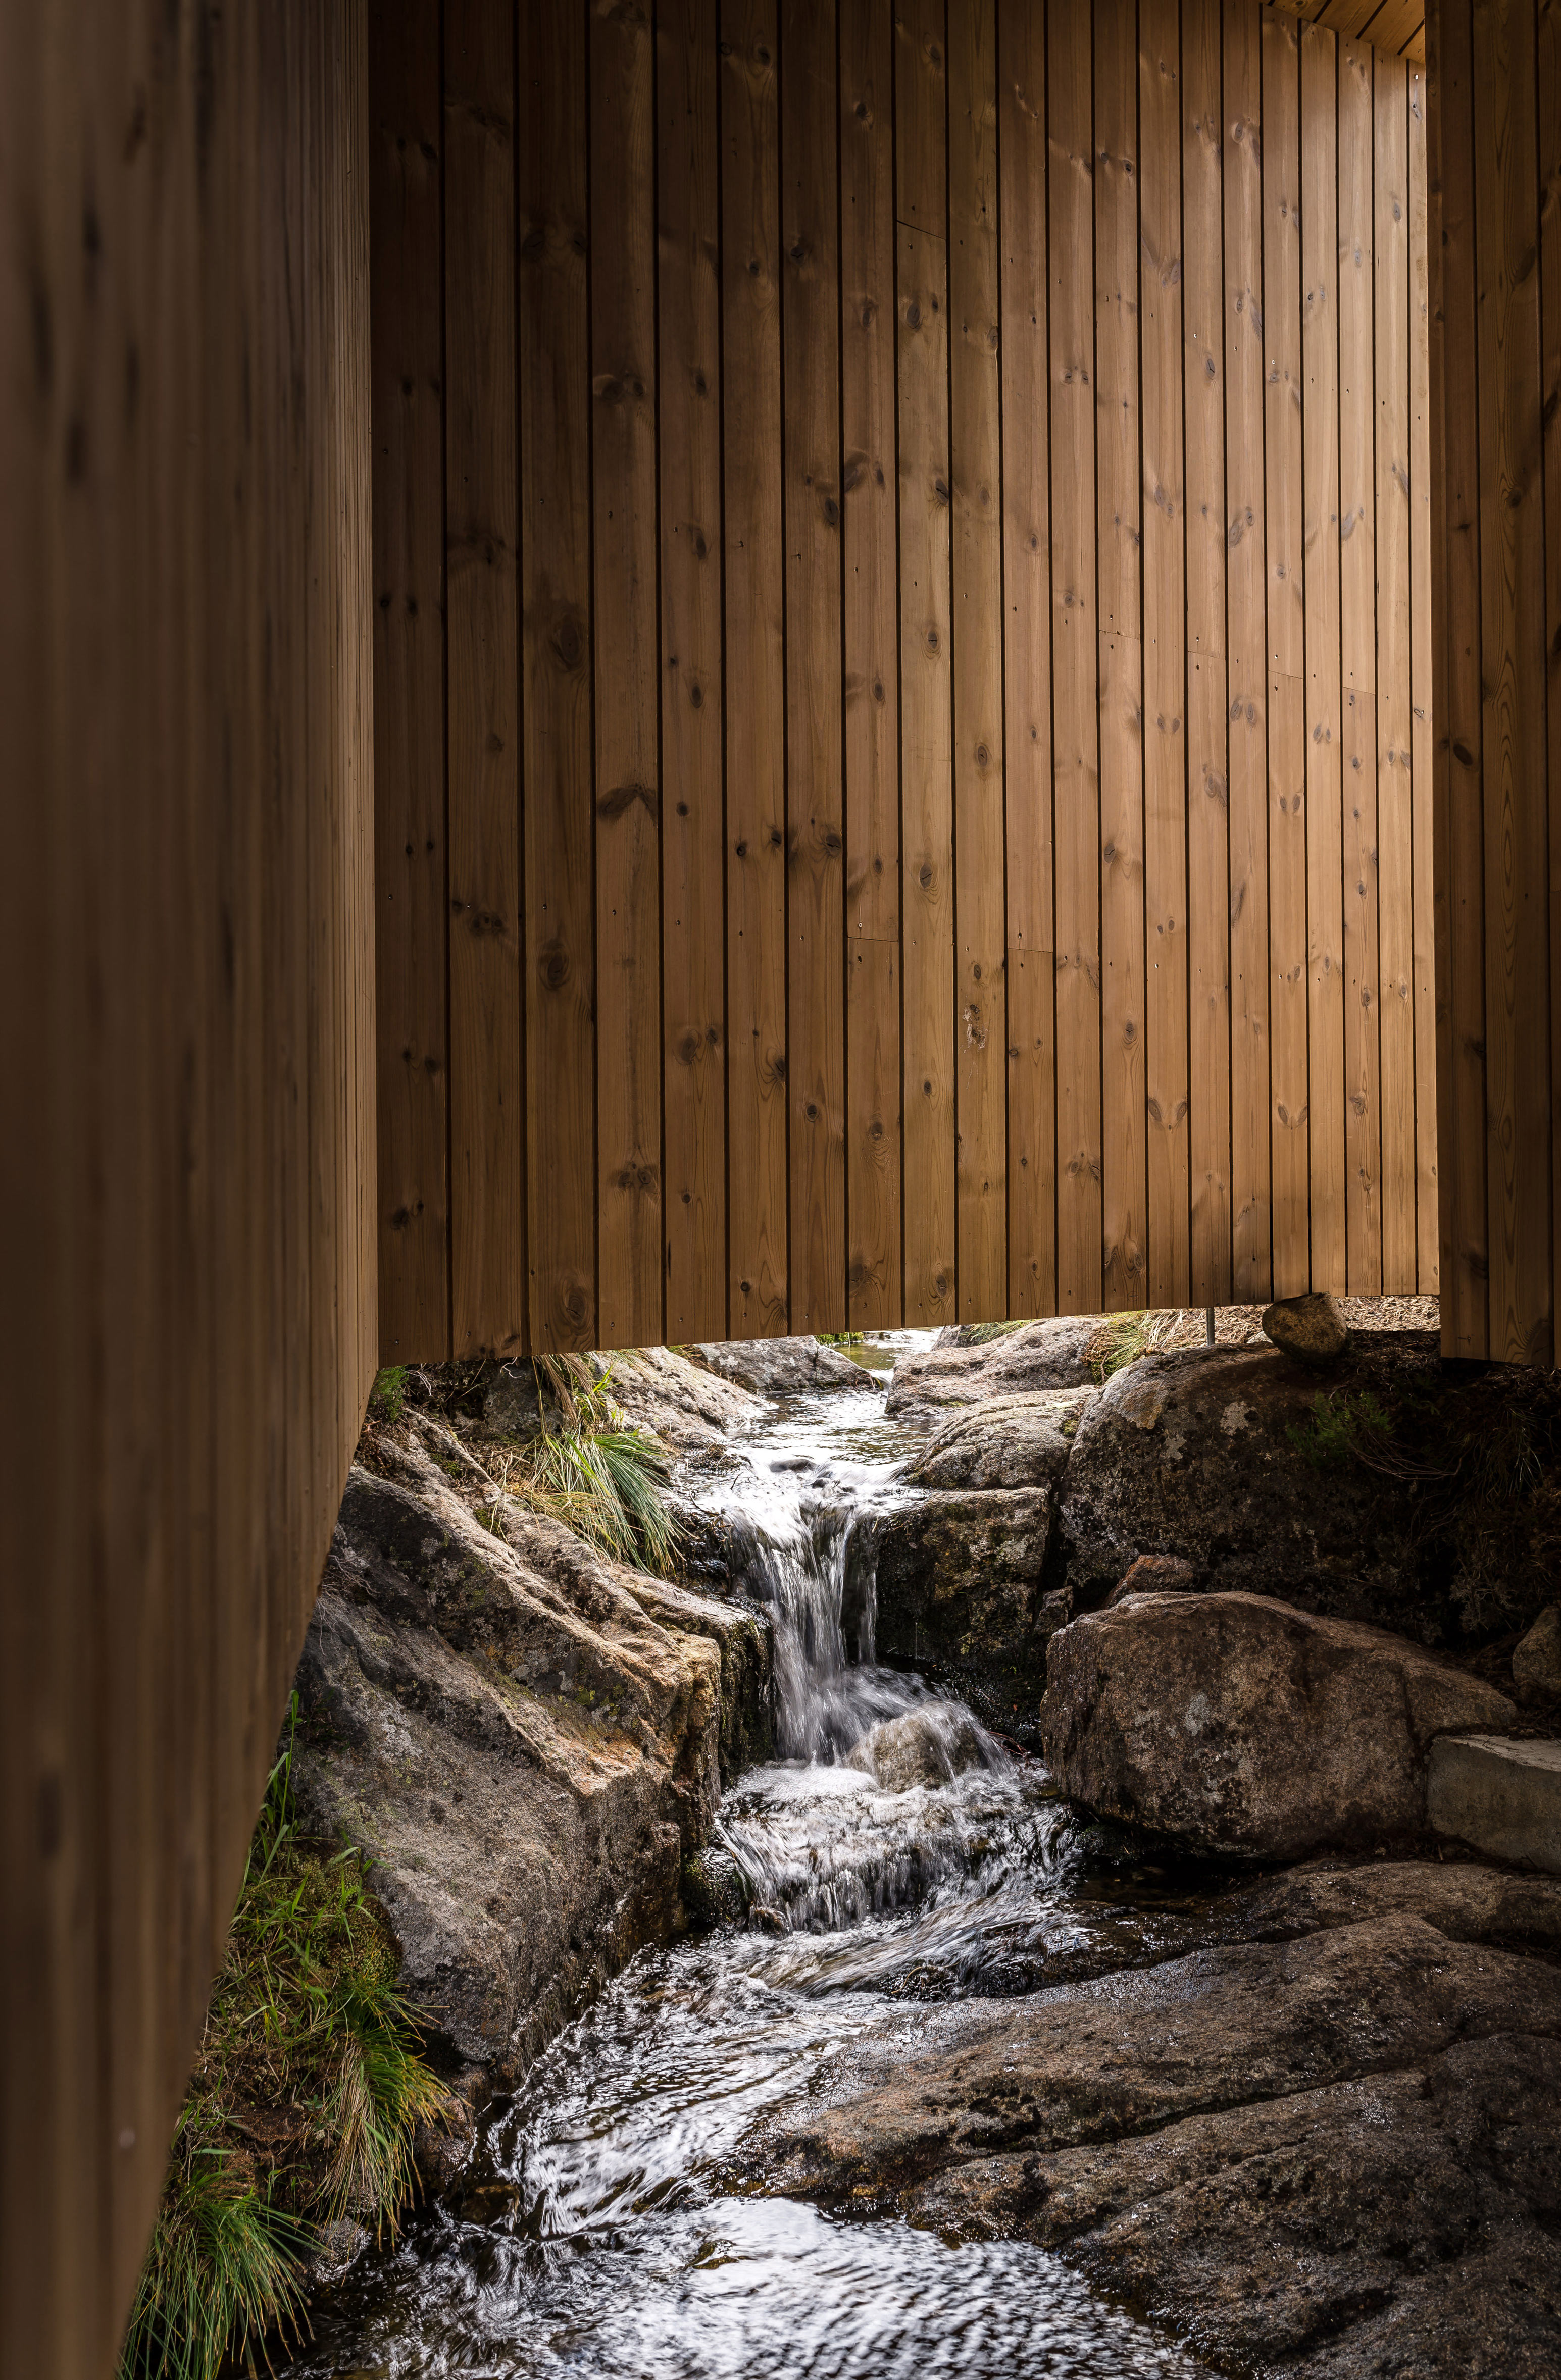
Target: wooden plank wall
(934, 744)
(1484, 259)
(187, 1201)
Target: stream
(604, 2226)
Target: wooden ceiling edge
(1316, 12)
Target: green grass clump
(388, 1393)
(841, 1337)
(981, 1333)
(607, 1482)
(1124, 1340)
(307, 2093)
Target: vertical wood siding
(1480, 168)
(188, 1301)
(935, 747)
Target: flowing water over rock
(897, 1853)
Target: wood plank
(868, 507)
(1246, 630)
(1074, 662)
(1165, 818)
(982, 1025)
(692, 717)
(1394, 826)
(1512, 629)
(488, 1273)
(1549, 91)
(757, 1293)
(624, 559)
(1286, 654)
(1208, 793)
(1119, 533)
(409, 846)
(556, 681)
(1027, 615)
(926, 753)
(815, 818)
(1325, 730)
(1421, 793)
(1394, 25)
(1357, 637)
(1460, 927)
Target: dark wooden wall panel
(185, 664)
(1494, 390)
(968, 844)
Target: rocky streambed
(807, 2028)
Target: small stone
(1310, 1327)
(927, 1747)
(1536, 1664)
(1156, 1574)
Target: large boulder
(1216, 1456)
(962, 1594)
(1006, 1441)
(783, 1368)
(656, 1389)
(525, 1738)
(925, 1388)
(1242, 1726)
(1334, 2156)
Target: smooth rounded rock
(925, 1748)
(1156, 1574)
(1311, 1328)
(1242, 1726)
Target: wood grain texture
(1394, 810)
(1512, 587)
(1357, 605)
(755, 647)
(1284, 461)
(557, 680)
(1324, 727)
(1246, 630)
(692, 711)
(1548, 80)
(815, 816)
(1075, 662)
(951, 667)
(184, 448)
(976, 524)
(1422, 770)
(1027, 656)
(1165, 795)
(627, 781)
(1208, 783)
(488, 1271)
(926, 724)
(870, 659)
(1119, 582)
(410, 852)
(1460, 866)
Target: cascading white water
(898, 1855)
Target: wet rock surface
(1006, 1441)
(1244, 1728)
(962, 1594)
(524, 1738)
(926, 1387)
(1343, 2151)
(782, 1367)
(923, 1747)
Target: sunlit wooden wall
(1497, 420)
(903, 664)
(187, 1299)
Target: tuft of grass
(307, 2093)
(841, 1337)
(608, 1484)
(388, 1393)
(980, 1333)
(1124, 1337)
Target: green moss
(307, 2092)
(388, 1393)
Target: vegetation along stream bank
(1027, 1849)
